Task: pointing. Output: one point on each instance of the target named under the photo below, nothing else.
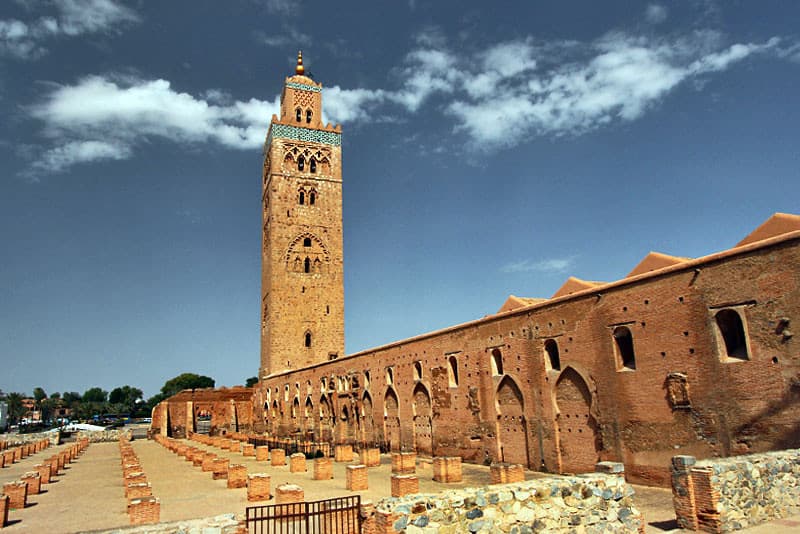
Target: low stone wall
(221, 524)
(99, 436)
(726, 494)
(13, 440)
(593, 503)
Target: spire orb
(300, 69)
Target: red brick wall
(592, 409)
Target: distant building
(681, 356)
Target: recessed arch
(731, 330)
(553, 359)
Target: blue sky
(488, 149)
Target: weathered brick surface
(146, 510)
(33, 481)
(262, 453)
(17, 494)
(248, 449)
(357, 477)
(404, 462)
(4, 506)
(286, 493)
(137, 490)
(277, 457)
(219, 468)
(504, 473)
(44, 472)
(343, 453)
(404, 485)
(297, 463)
(323, 468)
(237, 476)
(447, 469)
(258, 487)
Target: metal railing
(340, 515)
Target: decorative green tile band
(303, 87)
(287, 131)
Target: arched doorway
(308, 417)
(512, 435)
(422, 421)
(391, 419)
(325, 430)
(577, 428)
(369, 419)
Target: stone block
(237, 476)
(34, 482)
(17, 494)
(404, 462)
(248, 449)
(4, 506)
(297, 463)
(219, 468)
(323, 468)
(262, 453)
(357, 477)
(44, 472)
(144, 511)
(277, 457)
(404, 485)
(288, 493)
(258, 487)
(447, 469)
(137, 490)
(505, 473)
(343, 453)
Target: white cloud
(655, 14)
(549, 265)
(615, 78)
(24, 40)
(349, 105)
(73, 152)
(126, 113)
(499, 97)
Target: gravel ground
(89, 495)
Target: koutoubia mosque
(690, 356)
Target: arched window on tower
(553, 359)
(298, 115)
(312, 198)
(730, 326)
(306, 241)
(302, 197)
(301, 163)
(312, 165)
(307, 265)
(624, 341)
(307, 340)
(308, 116)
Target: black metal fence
(331, 516)
(311, 449)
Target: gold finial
(299, 69)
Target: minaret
(302, 286)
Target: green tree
(95, 395)
(55, 396)
(15, 408)
(125, 397)
(71, 398)
(252, 381)
(39, 394)
(186, 381)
